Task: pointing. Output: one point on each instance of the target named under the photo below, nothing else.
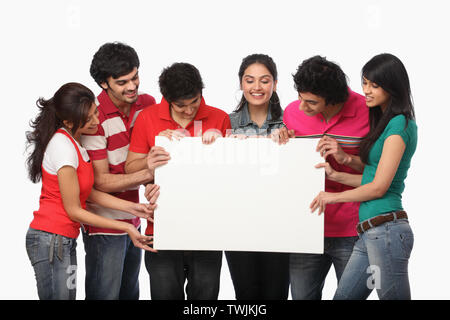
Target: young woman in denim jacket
(381, 254)
(67, 177)
(258, 275)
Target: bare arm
(392, 153)
(108, 182)
(328, 146)
(156, 157)
(353, 180)
(70, 194)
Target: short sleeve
(60, 152)
(96, 144)
(397, 126)
(139, 142)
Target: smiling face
(375, 95)
(258, 85)
(123, 90)
(311, 104)
(91, 125)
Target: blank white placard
(239, 195)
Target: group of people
(93, 154)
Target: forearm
(108, 201)
(137, 165)
(78, 214)
(353, 180)
(108, 182)
(355, 163)
(362, 193)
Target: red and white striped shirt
(111, 142)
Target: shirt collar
(245, 116)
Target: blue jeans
(112, 267)
(54, 261)
(379, 261)
(308, 271)
(169, 269)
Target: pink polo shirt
(348, 127)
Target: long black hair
(72, 103)
(388, 72)
(265, 60)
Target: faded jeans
(309, 271)
(379, 261)
(54, 261)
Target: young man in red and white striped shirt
(112, 262)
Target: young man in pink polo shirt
(112, 262)
(182, 112)
(329, 110)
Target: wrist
(347, 159)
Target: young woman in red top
(67, 180)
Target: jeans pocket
(407, 242)
(373, 233)
(37, 246)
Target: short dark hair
(323, 78)
(113, 59)
(180, 81)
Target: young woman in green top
(380, 256)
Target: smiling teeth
(257, 94)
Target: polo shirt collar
(107, 104)
(164, 110)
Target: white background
(45, 44)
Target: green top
(392, 199)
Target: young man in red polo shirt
(182, 112)
(329, 110)
(112, 262)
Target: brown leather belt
(376, 221)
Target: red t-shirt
(51, 216)
(157, 118)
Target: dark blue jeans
(259, 275)
(169, 269)
(112, 267)
(308, 271)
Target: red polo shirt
(157, 118)
(348, 127)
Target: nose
(366, 88)
(302, 105)
(131, 86)
(189, 110)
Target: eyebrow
(125, 80)
(263, 76)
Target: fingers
(210, 137)
(144, 243)
(157, 157)
(152, 192)
(321, 165)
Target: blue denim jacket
(242, 124)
